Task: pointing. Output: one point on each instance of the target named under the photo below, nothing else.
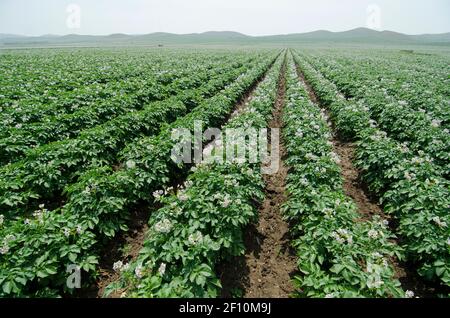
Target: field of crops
(92, 203)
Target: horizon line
(219, 31)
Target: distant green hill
(359, 35)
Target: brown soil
(133, 243)
(353, 187)
(310, 91)
(124, 248)
(266, 270)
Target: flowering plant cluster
(203, 222)
(412, 187)
(407, 122)
(419, 83)
(47, 169)
(338, 256)
(119, 98)
(38, 84)
(99, 201)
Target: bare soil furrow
(266, 270)
(353, 187)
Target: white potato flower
(342, 236)
(311, 156)
(226, 201)
(436, 123)
(374, 282)
(188, 184)
(158, 194)
(66, 232)
(162, 268)
(439, 222)
(335, 158)
(182, 196)
(163, 226)
(409, 294)
(139, 271)
(117, 266)
(409, 176)
(195, 238)
(4, 249)
(373, 234)
(131, 164)
(328, 212)
(404, 148)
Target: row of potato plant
(201, 223)
(37, 105)
(36, 251)
(20, 140)
(39, 91)
(44, 173)
(411, 187)
(338, 255)
(29, 73)
(419, 86)
(416, 129)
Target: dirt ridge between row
(266, 269)
(352, 186)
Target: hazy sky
(254, 17)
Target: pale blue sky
(254, 17)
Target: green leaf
(7, 287)
(41, 274)
(72, 257)
(337, 268)
(440, 271)
(21, 280)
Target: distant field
(358, 36)
(87, 178)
